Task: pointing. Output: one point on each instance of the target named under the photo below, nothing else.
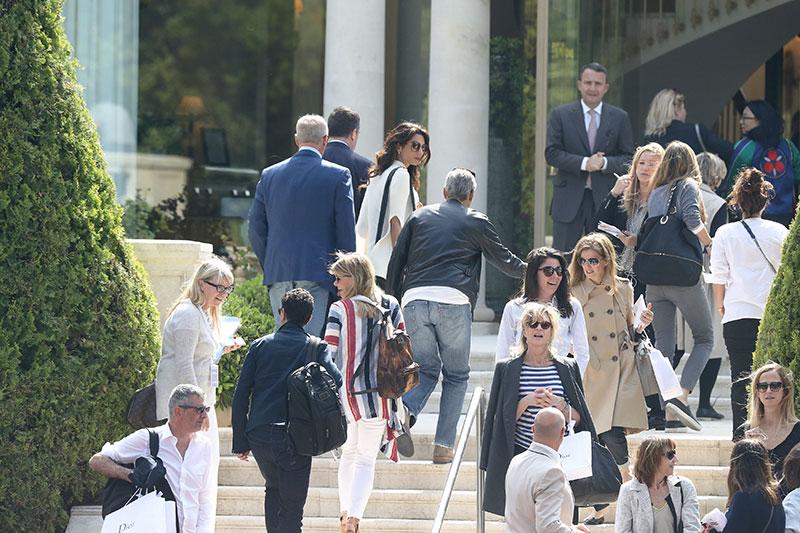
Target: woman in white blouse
(393, 191)
(744, 258)
(190, 340)
(546, 281)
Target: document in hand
(608, 228)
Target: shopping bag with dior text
(147, 514)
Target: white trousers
(357, 464)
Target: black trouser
(566, 234)
(287, 475)
(614, 440)
(740, 340)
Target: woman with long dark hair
(764, 147)
(393, 192)
(546, 281)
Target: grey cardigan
(635, 512)
(687, 203)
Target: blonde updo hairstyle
(360, 269)
(213, 270)
(532, 312)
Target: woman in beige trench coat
(611, 382)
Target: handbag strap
(311, 349)
(700, 137)
(385, 202)
(670, 202)
(771, 512)
(753, 235)
(153, 443)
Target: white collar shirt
(186, 475)
(587, 117)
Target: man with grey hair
(185, 453)
(301, 215)
(435, 268)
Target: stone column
(458, 109)
(355, 43)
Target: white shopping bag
(144, 515)
(171, 513)
(668, 384)
(576, 454)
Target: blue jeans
(440, 337)
(286, 474)
(321, 297)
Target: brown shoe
(442, 455)
(343, 523)
(352, 524)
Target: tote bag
(147, 514)
(576, 454)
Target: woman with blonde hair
(613, 388)
(373, 422)
(656, 500)
(190, 342)
(533, 378)
(666, 122)
(772, 416)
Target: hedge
(779, 332)
(78, 322)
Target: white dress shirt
(587, 117)
(186, 475)
(737, 264)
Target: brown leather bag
(397, 373)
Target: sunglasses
(771, 385)
(340, 278)
(540, 324)
(200, 409)
(220, 288)
(416, 146)
(670, 454)
(592, 261)
(550, 270)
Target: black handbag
(142, 408)
(667, 253)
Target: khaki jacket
(611, 382)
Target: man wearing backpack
(436, 268)
(260, 411)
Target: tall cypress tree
(78, 323)
(779, 332)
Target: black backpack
(315, 419)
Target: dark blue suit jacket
(358, 165)
(261, 392)
(301, 215)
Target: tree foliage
(78, 323)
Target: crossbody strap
(771, 512)
(678, 524)
(700, 137)
(153, 443)
(311, 349)
(753, 235)
(385, 202)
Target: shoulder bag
(677, 522)
(667, 253)
(385, 201)
(753, 235)
(142, 408)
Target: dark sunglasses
(540, 323)
(771, 385)
(416, 146)
(592, 261)
(221, 288)
(670, 454)
(200, 409)
(340, 278)
(550, 270)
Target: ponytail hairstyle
(751, 193)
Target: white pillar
(458, 108)
(355, 43)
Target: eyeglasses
(747, 117)
(540, 324)
(416, 146)
(670, 454)
(550, 270)
(200, 409)
(221, 288)
(340, 278)
(592, 261)
(771, 385)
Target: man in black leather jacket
(436, 268)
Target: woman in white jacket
(655, 500)
(546, 281)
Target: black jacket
(685, 132)
(341, 154)
(441, 245)
(501, 422)
(261, 392)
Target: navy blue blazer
(301, 215)
(338, 152)
(261, 392)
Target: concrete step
(255, 524)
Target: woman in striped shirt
(373, 422)
(532, 379)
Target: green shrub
(250, 302)
(779, 332)
(135, 213)
(78, 322)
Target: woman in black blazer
(508, 401)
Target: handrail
(476, 412)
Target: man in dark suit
(302, 214)
(587, 141)
(343, 125)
